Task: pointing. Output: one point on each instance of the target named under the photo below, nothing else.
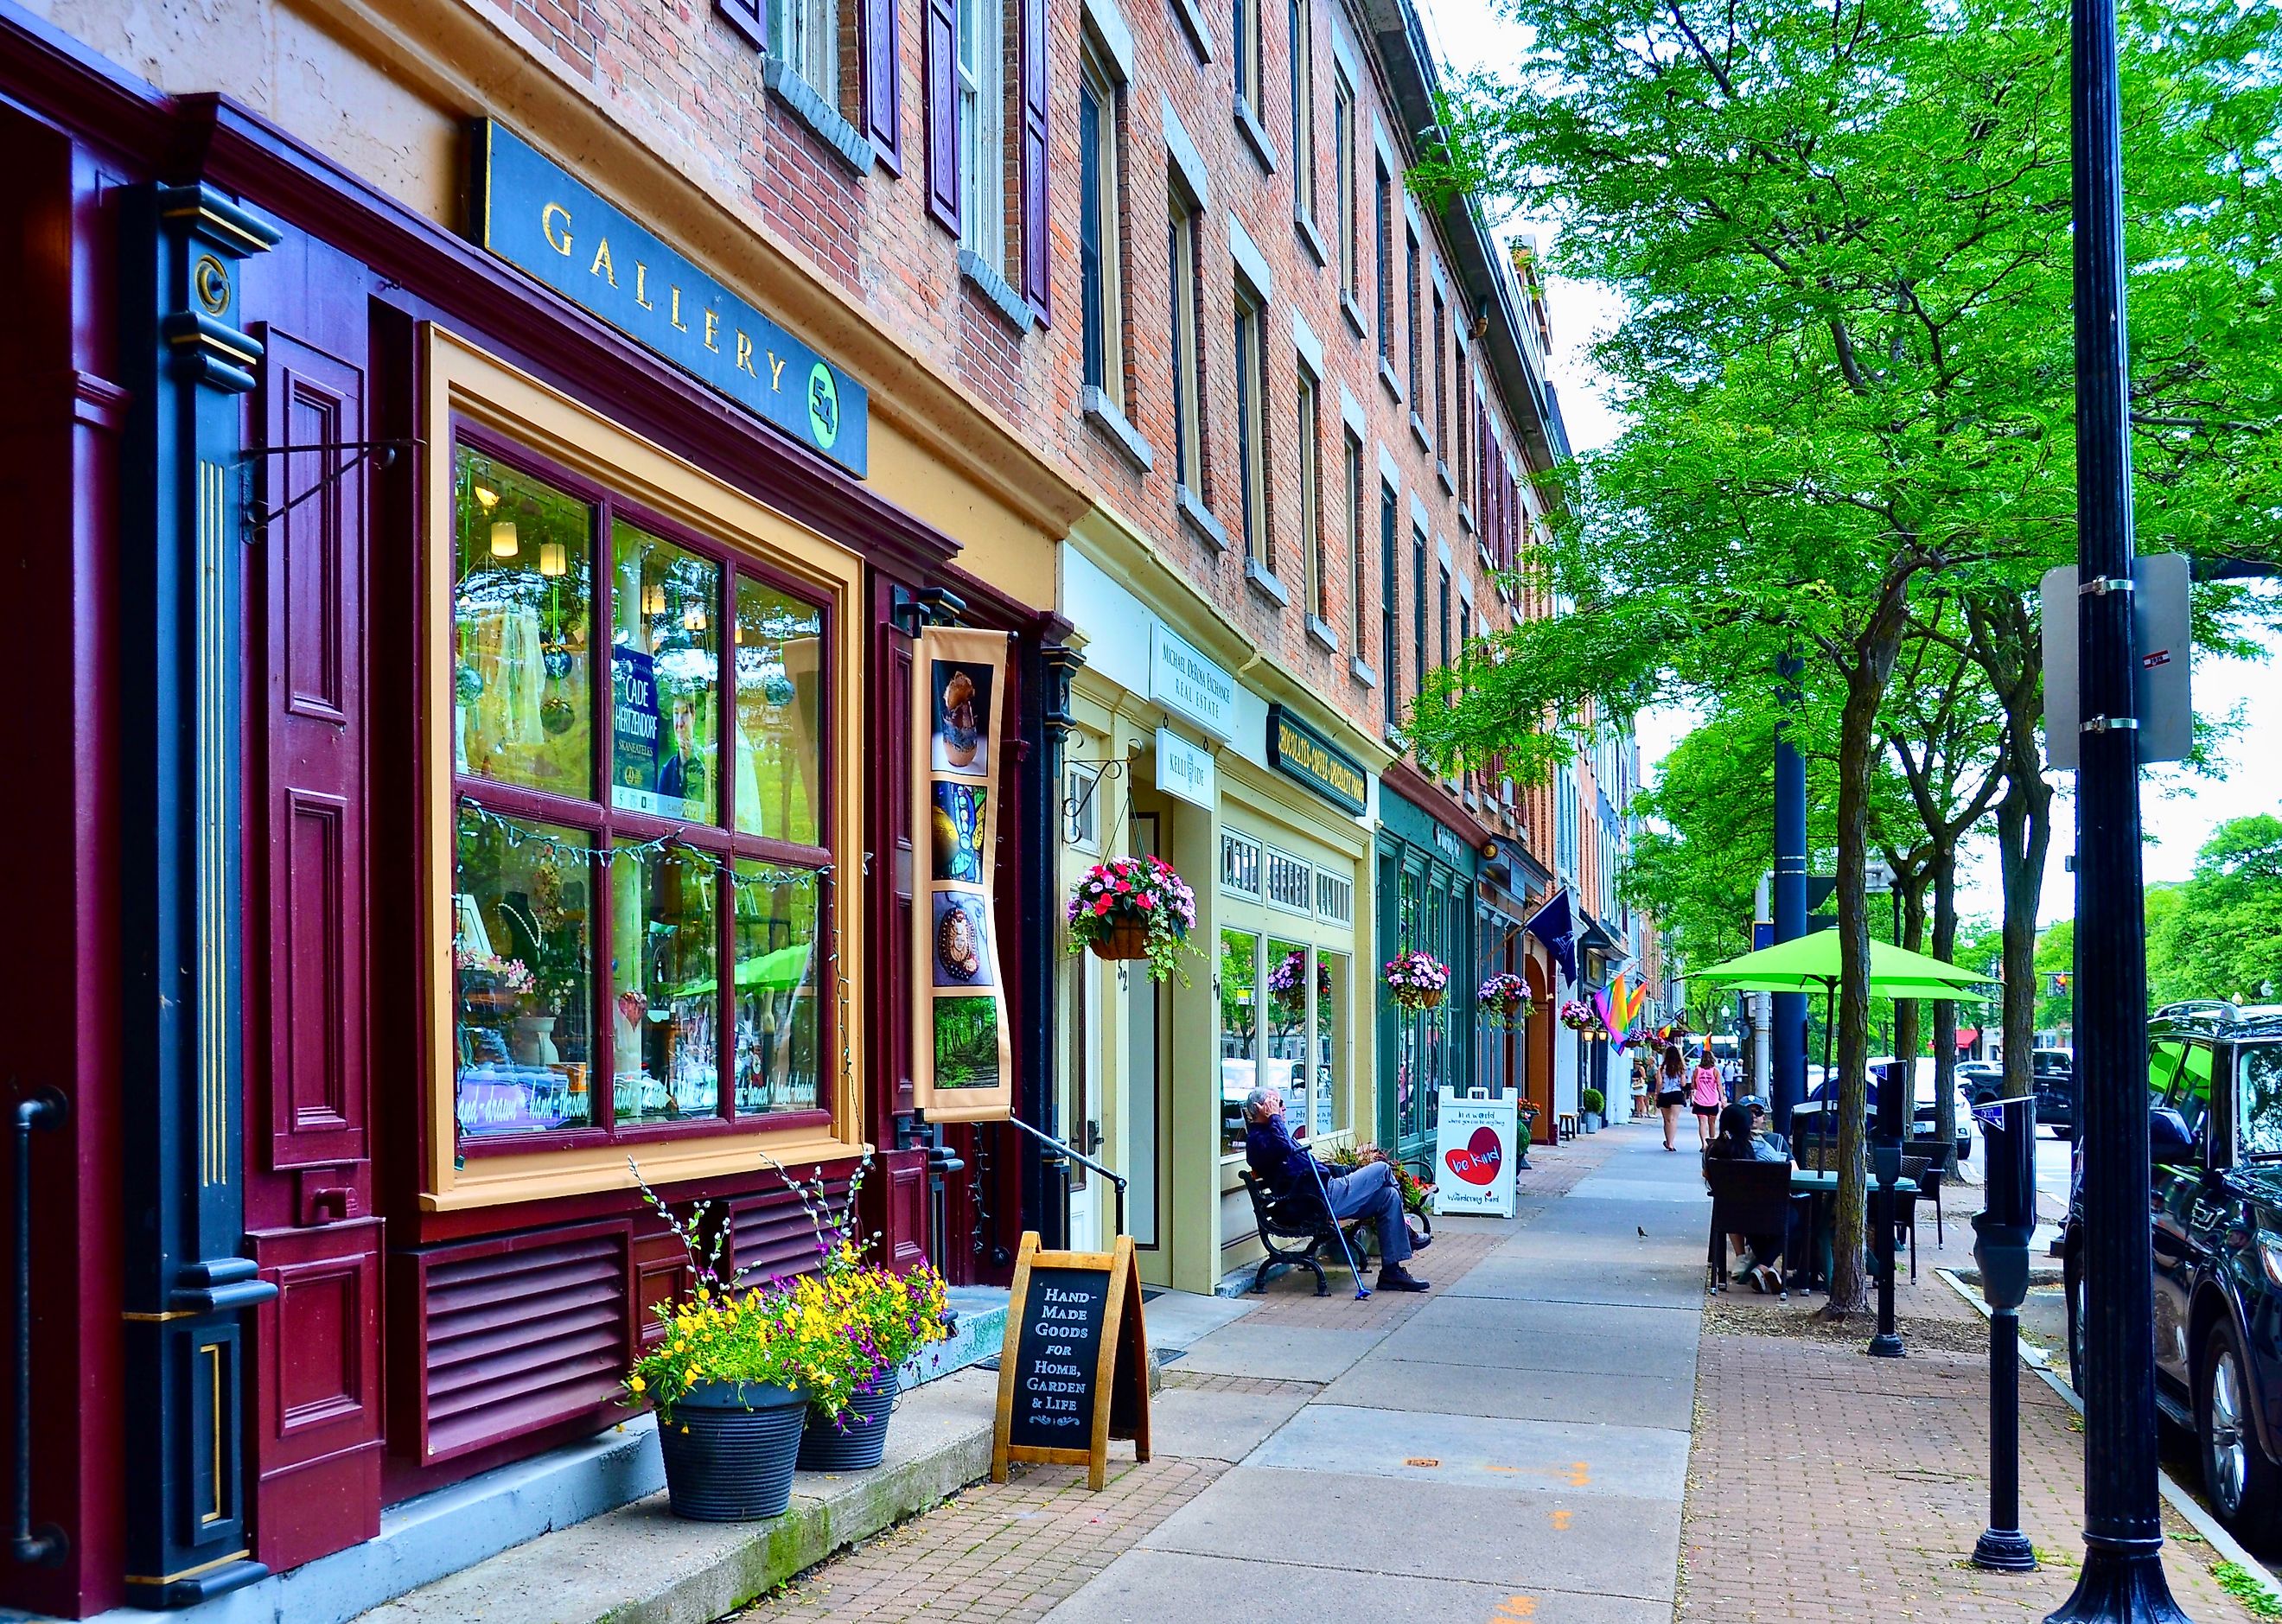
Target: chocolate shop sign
(529, 210)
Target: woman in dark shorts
(1671, 1093)
(1707, 1093)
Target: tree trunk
(2024, 833)
(1857, 742)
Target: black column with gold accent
(187, 361)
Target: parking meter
(2000, 1248)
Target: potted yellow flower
(880, 1318)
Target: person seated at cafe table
(1290, 1170)
(1737, 1142)
(1762, 1129)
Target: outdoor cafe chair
(1748, 1198)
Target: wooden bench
(1300, 1218)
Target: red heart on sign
(1477, 1163)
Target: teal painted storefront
(1424, 893)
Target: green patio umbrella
(1810, 962)
(780, 971)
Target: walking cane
(1362, 1291)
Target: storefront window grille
(1334, 898)
(608, 866)
(1288, 882)
(1240, 865)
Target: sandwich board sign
(1074, 1372)
(1474, 1156)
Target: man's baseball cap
(1755, 1101)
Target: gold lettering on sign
(602, 265)
(673, 311)
(776, 371)
(641, 280)
(712, 326)
(561, 245)
(745, 352)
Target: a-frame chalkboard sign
(1075, 1370)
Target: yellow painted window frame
(466, 382)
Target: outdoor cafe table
(1821, 1188)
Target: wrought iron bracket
(380, 452)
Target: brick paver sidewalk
(1826, 1486)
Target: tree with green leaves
(1841, 234)
(2222, 936)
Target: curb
(2198, 1517)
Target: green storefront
(1426, 899)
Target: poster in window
(634, 728)
(962, 1068)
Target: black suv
(2052, 1074)
(2215, 1093)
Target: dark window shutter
(1037, 226)
(942, 70)
(882, 94)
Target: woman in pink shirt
(1707, 1093)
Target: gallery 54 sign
(530, 211)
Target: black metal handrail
(46, 1545)
(1079, 1156)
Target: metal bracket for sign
(1073, 805)
(380, 452)
(2100, 585)
(2110, 724)
(913, 611)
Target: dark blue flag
(1556, 926)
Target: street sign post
(2162, 704)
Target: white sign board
(1189, 685)
(1185, 770)
(2161, 699)
(1474, 1156)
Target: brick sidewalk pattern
(1265, 1386)
(995, 1552)
(1823, 1481)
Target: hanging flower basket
(1416, 980)
(1578, 1015)
(1504, 1000)
(1134, 907)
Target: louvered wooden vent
(772, 1235)
(521, 1335)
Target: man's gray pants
(1371, 1192)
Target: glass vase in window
(666, 1024)
(523, 589)
(779, 754)
(778, 975)
(523, 979)
(665, 677)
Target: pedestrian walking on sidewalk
(1292, 1172)
(1707, 1093)
(1671, 1093)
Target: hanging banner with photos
(962, 1064)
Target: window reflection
(522, 980)
(665, 673)
(779, 649)
(1239, 1030)
(2260, 1127)
(664, 1021)
(1284, 1062)
(1330, 1001)
(778, 977)
(522, 710)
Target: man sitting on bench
(1369, 1190)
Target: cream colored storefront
(1171, 753)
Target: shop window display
(1284, 1062)
(614, 851)
(1239, 1030)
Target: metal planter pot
(857, 1440)
(730, 1450)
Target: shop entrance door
(314, 1412)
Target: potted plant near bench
(1589, 1104)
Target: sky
(2177, 810)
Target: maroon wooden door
(316, 1412)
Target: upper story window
(1187, 359)
(639, 742)
(1101, 273)
(1384, 261)
(1343, 178)
(1389, 607)
(1438, 335)
(1352, 517)
(1302, 48)
(982, 130)
(1251, 423)
(1411, 272)
(1244, 51)
(1419, 650)
(806, 40)
(1306, 433)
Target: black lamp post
(2123, 1574)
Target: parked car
(2215, 1098)
(1923, 1116)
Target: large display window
(1283, 975)
(639, 823)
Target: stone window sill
(1313, 238)
(1387, 376)
(1362, 672)
(1321, 634)
(1199, 518)
(1256, 136)
(1354, 314)
(1257, 578)
(1103, 413)
(1193, 24)
(1418, 432)
(1442, 472)
(997, 289)
(816, 116)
